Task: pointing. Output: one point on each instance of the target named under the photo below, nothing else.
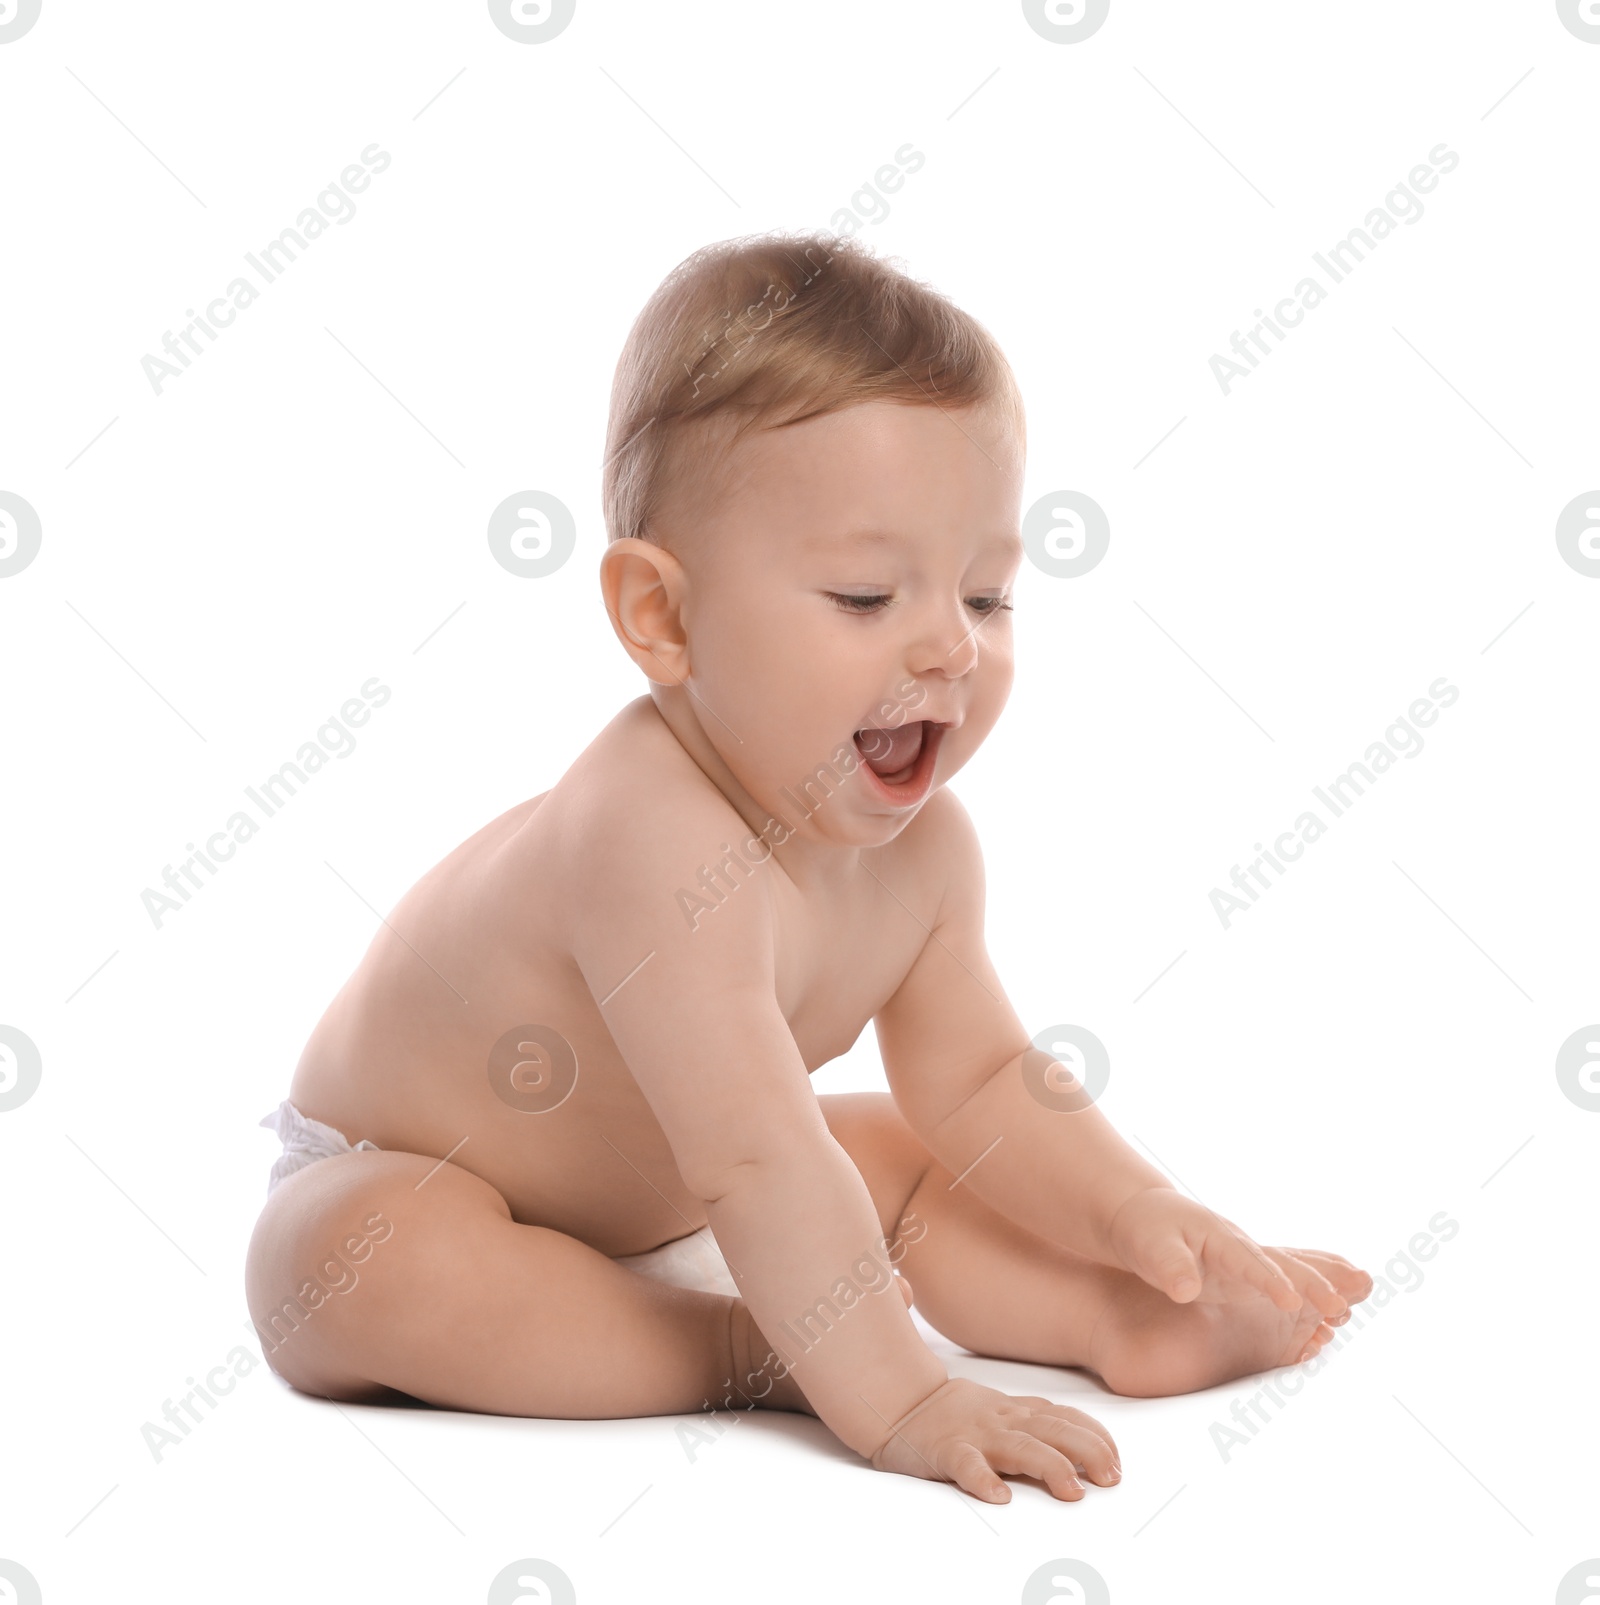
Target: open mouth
(901, 760)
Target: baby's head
(812, 488)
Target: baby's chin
(851, 821)
(869, 838)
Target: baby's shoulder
(626, 854)
(634, 804)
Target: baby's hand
(968, 1434)
(1189, 1253)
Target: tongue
(887, 752)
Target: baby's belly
(596, 1168)
(581, 1154)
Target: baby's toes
(1315, 1342)
(1307, 1333)
(1352, 1283)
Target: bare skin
(698, 986)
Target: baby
(553, 1150)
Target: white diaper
(304, 1142)
(693, 1260)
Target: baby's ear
(643, 585)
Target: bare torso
(482, 943)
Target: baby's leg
(458, 1305)
(999, 1289)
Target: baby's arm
(968, 1080)
(702, 1032)
(695, 1014)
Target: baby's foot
(1145, 1345)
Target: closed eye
(858, 604)
(983, 606)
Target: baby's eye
(988, 604)
(849, 603)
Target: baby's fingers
(1311, 1283)
(969, 1470)
(1066, 1412)
(1249, 1262)
(1089, 1448)
(1075, 1421)
(1021, 1453)
(1352, 1283)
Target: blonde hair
(770, 330)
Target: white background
(224, 564)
